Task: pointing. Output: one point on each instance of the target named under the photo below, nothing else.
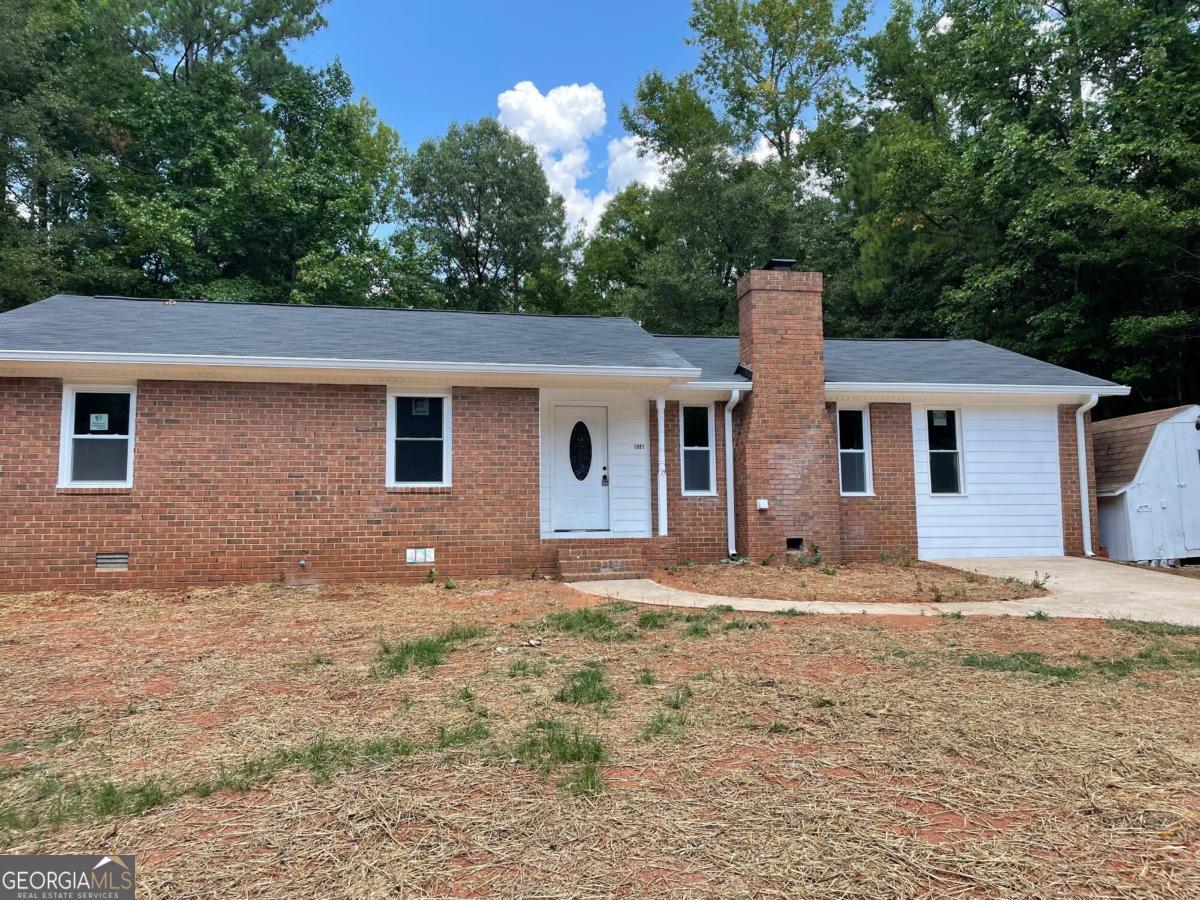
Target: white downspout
(1085, 504)
(730, 519)
(660, 404)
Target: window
(696, 447)
(945, 456)
(97, 437)
(854, 451)
(418, 432)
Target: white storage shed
(1148, 485)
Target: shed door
(1187, 460)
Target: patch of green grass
(591, 622)
(587, 685)
(957, 614)
(645, 676)
(584, 781)
(743, 624)
(1039, 616)
(547, 744)
(792, 611)
(697, 629)
(526, 668)
(654, 619)
(778, 727)
(54, 801)
(678, 697)
(621, 606)
(471, 733)
(424, 652)
(465, 694)
(313, 660)
(1154, 629)
(822, 703)
(1026, 662)
(663, 724)
(66, 733)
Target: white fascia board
(886, 387)
(713, 386)
(358, 365)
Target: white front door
(579, 470)
(1187, 462)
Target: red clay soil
(869, 582)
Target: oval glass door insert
(581, 450)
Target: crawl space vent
(112, 562)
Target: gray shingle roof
(900, 362)
(73, 324)
(717, 357)
(67, 323)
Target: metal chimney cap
(779, 265)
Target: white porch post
(660, 404)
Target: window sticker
(98, 422)
(420, 406)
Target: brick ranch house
(159, 443)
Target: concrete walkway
(1079, 588)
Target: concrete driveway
(1097, 588)
(1079, 588)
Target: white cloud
(559, 124)
(628, 162)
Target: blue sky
(556, 72)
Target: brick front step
(633, 570)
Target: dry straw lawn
(886, 581)
(244, 743)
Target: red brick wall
(784, 442)
(887, 522)
(238, 482)
(1068, 466)
(697, 525)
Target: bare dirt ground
(244, 742)
(907, 581)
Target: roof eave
(885, 387)
(346, 365)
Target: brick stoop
(585, 560)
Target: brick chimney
(785, 442)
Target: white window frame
(961, 451)
(866, 450)
(711, 409)
(66, 434)
(447, 436)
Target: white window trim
(711, 409)
(447, 437)
(866, 451)
(961, 451)
(67, 429)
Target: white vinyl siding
(628, 461)
(1010, 503)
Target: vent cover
(112, 562)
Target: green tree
(173, 149)
(1032, 179)
(752, 140)
(478, 201)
